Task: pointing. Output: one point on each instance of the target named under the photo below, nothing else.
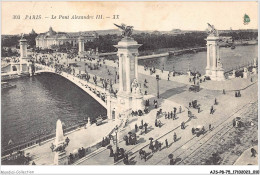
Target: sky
(162, 16)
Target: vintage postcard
(129, 83)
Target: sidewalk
(203, 118)
(42, 155)
(168, 125)
(188, 142)
(246, 159)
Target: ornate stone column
(136, 66)
(81, 46)
(128, 73)
(120, 72)
(216, 71)
(23, 48)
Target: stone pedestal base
(126, 103)
(123, 105)
(189, 73)
(217, 75)
(208, 72)
(138, 102)
(82, 54)
(245, 75)
(220, 75)
(60, 158)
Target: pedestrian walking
(155, 104)
(52, 147)
(193, 131)
(211, 110)
(198, 109)
(253, 151)
(182, 125)
(174, 137)
(136, 127)
(224, 92)
(210, 127)
(180, 109)
(166, 143)
(215, 101)
(174, 110)
(145, 128)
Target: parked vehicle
(194, 88)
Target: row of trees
(241, 35)
(149, 41)
(158, 41)
(8, 52)
(13, 41)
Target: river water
(32, 108)
(197, 62)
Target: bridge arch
(92, 90)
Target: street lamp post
(158, 78)
(116, 130)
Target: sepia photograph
(172, 84)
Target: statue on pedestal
(212, 31)
(136, 87)
(126, 30)
(255, 62)
(60, 157)
(219, 64)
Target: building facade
(47, 39)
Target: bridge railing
(7, 152)
(238, 67)
(75, 157)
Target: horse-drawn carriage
(198, 130)
(194, 88)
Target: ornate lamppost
(158, 78)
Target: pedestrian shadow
(132, 161)
(179, 138)
(185, 126)
(170, 145)
(141, 140)
(170, 92)
(177, 160)
(149, 129)
(148, 155)
(133, 120)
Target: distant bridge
(191, 50)
(177, 52)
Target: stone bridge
(101, 95)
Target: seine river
(33, 107)
(197, 62)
